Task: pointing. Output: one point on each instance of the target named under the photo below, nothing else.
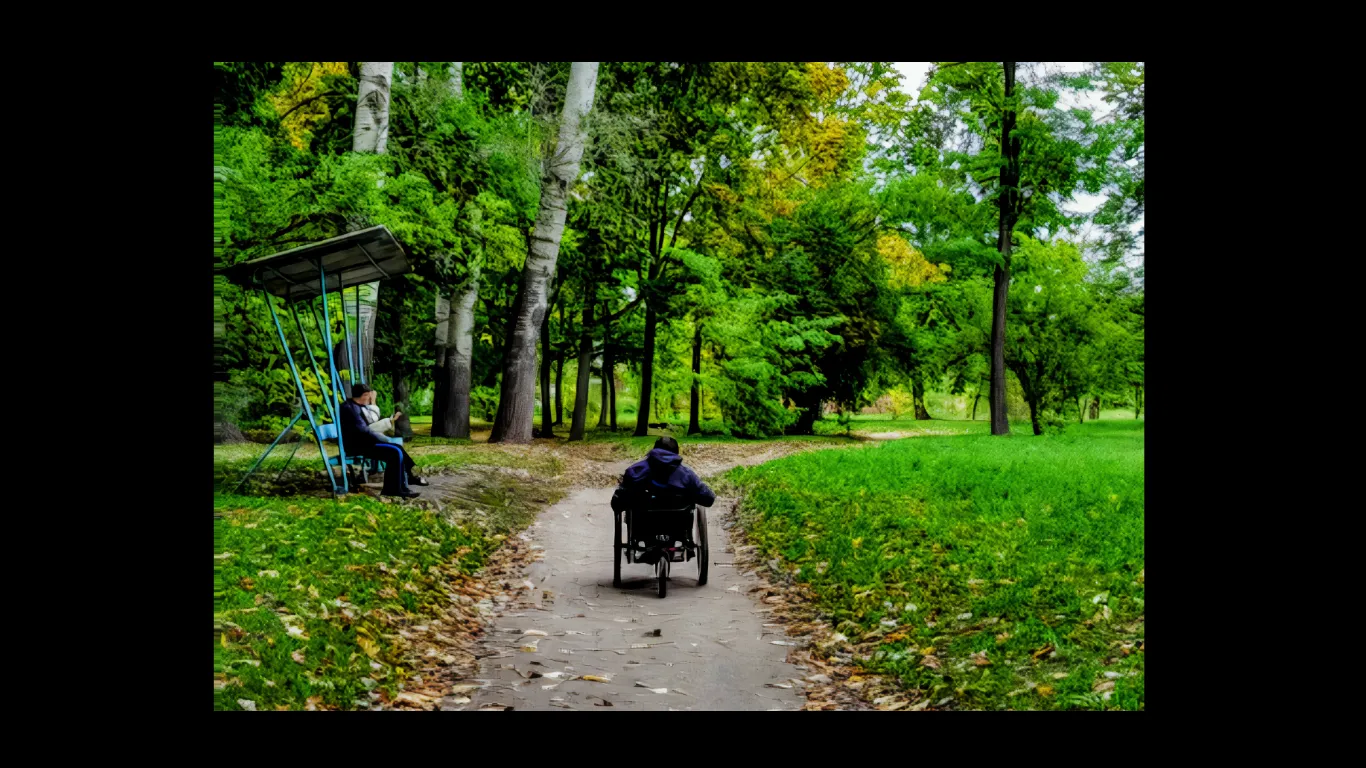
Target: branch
(684, 212)
(615, 316)
(308, 100)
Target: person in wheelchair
(660, 481)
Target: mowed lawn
(984, 573)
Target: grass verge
(321, 605)
(978, 573)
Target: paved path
(700, 648)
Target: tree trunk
(1009, 207)
(456, 72)
(441, 390)
(647, 372)
(1033, 397)
(918, 396)
(546, 415)
(606, 369)
(580, 426)
(372, 107)
(809, 413)
(1081, 409)
(1138, 400)
(977, 398)
(517, 398)
(460, 360)
(695, 406)
(403, 426)
(1095, 408)
(611, 382)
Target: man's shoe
(417, 481)
(404, 494)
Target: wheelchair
(660, 530)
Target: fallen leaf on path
(1044, 690)
(1059, 675)
(298, 656)
(596, 679)
(980, 659)
(535, 633)
(777, 685)
(1044, 651)
(459, 700)
(247, 704)
(931, 662)
(1103, 686)
(530, 647)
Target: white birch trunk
(457, 77)
(371, 134)
(460, 358)
(443, 331)
(372, 107)
(517, 399)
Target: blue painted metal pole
(360, 339)
(332, 363)
(303, 398)
(317, 321)
(263, 456)
(308, 345)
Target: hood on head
(663, 461)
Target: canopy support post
(332, 363)
(263, 456)
(303, 398)
(308, 345)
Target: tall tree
(445, 335)
(371, 134)
(576, 431)
(460, 358)
(1008, 200)
(517, 400)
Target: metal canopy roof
(348, 260)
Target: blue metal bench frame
(328, 433)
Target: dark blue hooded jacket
(664, 471)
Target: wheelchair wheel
(662, 573)
(703, 556)
(616, 551)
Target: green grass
(310, 595)
(1022, 533)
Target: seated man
(661, 471)
(359, 441)
(380, 428)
